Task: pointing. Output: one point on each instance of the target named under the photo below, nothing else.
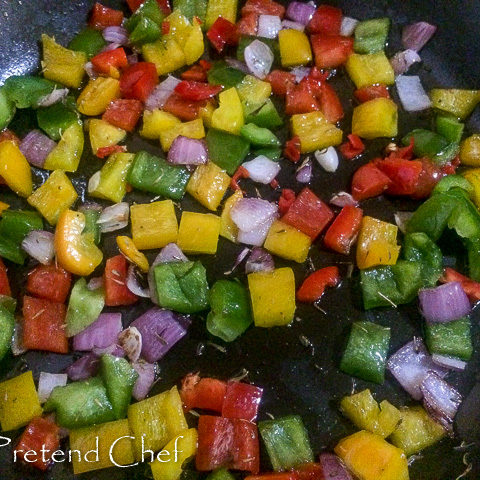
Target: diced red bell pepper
(240, 173)
(241, 401)
(223, 33)
(331, 51)
(182, 108)
(430, 175)
(165, 27)
(102, 17)
(274, 476)
(326, 20)
(248, 24)
(263, 7)
(353, 147)
(8, 136)
(310, 471)
(280, 81)
(110, 61)
(371, 92)
(40, 434)
(292, 149)
(115, 283)
(204, 393)
(4, 283)
(301, 99)
(404, 175)
(104, 152)
(451, 168)
(163, 4)
(50, 282)
(226, 442)
(197, 91)
(471, 288)
(330, 104)
(44, 325)
(343, 232)
(138, 81)
(369, 181)
(286, 200)
(314, 285)
(124, 113)
(195, 73)
(308, 214)
(405, 153)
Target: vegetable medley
(211, 91)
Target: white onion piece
(411, 93)
(131, 342)
(94, 181)
(95, 283)
(90, 70)
(262, 169)
(114, 218)
(290, 25)
(47, 382)
(146, 378)
(257, 236)
(56, 96)
(259, 261)
(17, 342)
(160, 94)
(259, 59)
(402, 219)
(300, 73)
(249, 213)
(39, 245)
(328, 159)
(269, 26)
(402, 61)
(348, 26)
(134, 285)
(342, 199)
(449, 362)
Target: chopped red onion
(289, 25)
(35, 147)
(130, 340)
(47, 382)
(449, 362)
(342, 199)
(133, 283)
(402, 219)
(415, 36)
(300, 73)
(402, 61)
(56, 96)
(113, 349)
(269, 26)
(328, 159)
(17, 340)
(90, 70)
(250, 213)
(146, 378)
(262, 169)
(39, 245)
(240, 258)
(102, 333)
(258, 235)
(411, 364)
(411, 93)
(160, 330)
(333, 468)
(160, 94)
(95, 283)
(259, 59)
(109, 47)
(305, 171)
(259, 260)
(188, 151)
(300, 12)
(445, 303)
(348, 26)
(114, 217)
(233, 62)
(132, 59)
(115, 34)
(85, 367)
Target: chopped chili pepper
(124, 113)
(326, 20)
(205, 393)
(138, 80)
(241, 172)
(292, 149)
(280, 81)
(353, 147)
(371, 92)
(314, 285)
(405, 153)
(115, 283)
(223, 33)
(286, 200)
(50, 282)
(369, 181)
(104, 152)
(110, 61)
(196, 91)
(263, 7)
(102, 17)
(183, 108)
(4, 283)
(471, 288)
(343, 232)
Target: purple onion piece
(289, 25)
(333, 467)
(146, 378)
(415, 36)
(261, 169)
(36, 147)
(449, 362)
(133, 283)
(85, 367)
(233, 62)
(342, 199)
(402, 61)
(305, 172)
(250, 213)
(269, 26)
(102, 333)
(39, 245)
(258, 235)
(188, 151)
(259, 59)
(114, 349)
(160, 94)
(115, 34)
(300, 12)
(259, 260)
(109, 47)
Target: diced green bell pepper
(271, 43)
(465, 217)
(153, 174)
(7, 324)
(84, 307)
(273, 153)
(191, 8)
(182, 286)
(453, 181)
(449, 127)
(226, 150)
(88, 41)
(8, 303)
(371, 35)
(366, 353)
(267, 116)
(473, 251)
(432, 145)
(220, 474)
(148, 9)
(26, 91)
(452, 339)
(54, 120)
(258, 136)
(7, 109)
(287, 443)
(222, 74)
(145, 31)
(92, 214)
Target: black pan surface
(296, 378)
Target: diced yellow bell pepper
(416, 430)
(103, 134)
(221, 8)
(18, 402)
(97, 95)
(62, 65)
(158, 420)
(166, 54)
(253, 93)
(3, 206)
(294, 48)
(370, 457)
(208, 185)
(365, 70)
(15, 169)
(228, 229)
(206, 113)
(54, 196)
(193, 129)
(198, 233)
(287, 242)
(76, 252)
(363, 410)
(130, 250)
(470, 151)
(377, 243)
(110, 183)
(375, 118)
(229, 115)
(194, 46)
(68, 152)
(273, 297)
(315, 132)
(114, 442)
(157, 121)
(460, 103)
(154, 225)
(473, 176)
(168, 464)
(179, 27)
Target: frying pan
(296, 365)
